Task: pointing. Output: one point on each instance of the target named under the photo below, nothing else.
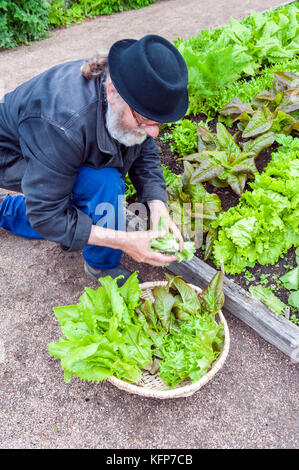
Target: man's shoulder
(59, 94)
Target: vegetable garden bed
(277, 330)
(237, 154)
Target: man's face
(124, 124)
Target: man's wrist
(155, 203)
(100, 236)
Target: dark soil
(268, 275)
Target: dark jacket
(49, 127)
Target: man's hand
(137, 245)
(158, 209)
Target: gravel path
(251, 403)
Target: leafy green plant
(294, 319)
(270, 110)
(23, 21)
(194, 339)
(113, 331)
(249, 277)
(193, 208)
(264, 279)
(221, 161)
(183, 137)
(217, 58)
(264, 224)
(265, 295)
(246, 90)
(102, 336)
(64, 13)
(290, 281)
(170, 245)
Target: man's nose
(153, 131)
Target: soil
(268, 275)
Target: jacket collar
(105, 142)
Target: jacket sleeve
(53, 159)
(147, 175)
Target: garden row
(23, 21)
(237, 156)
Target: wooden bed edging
(277, 330)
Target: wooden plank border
(277, 330)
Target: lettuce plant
(221, 161)
(182, 325)
(183, 137)
(217, 58)
(169, 244)
(193, 208)
(265, 223)
(272, 110)
(266, 296)
(290, 281)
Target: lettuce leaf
(103, 337)
(265, 295)
(170, 244)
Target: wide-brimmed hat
(151, 76)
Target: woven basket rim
(179, 391)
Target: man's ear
(111, 93)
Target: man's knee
(105, 183)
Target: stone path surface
(251, 403)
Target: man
(69, 136)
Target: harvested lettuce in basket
(113, 331)
(170, 245)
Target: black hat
(151, 76)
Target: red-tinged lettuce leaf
(218, 183)
(226, 142)
(206, 139)
(290, 102)
(247, 166)
(287, 79)
(163, 305)
(201, 174)
(210, 238)
(188, 295)
(235, 106)
(259, 143)
(149, 313)
(237, 182)
(260, 122)
(282, 122)
(212, 297)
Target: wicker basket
(151, 385)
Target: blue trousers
(98, 193)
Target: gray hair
(95, 66)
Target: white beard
(118, 131)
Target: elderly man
(70, 135)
